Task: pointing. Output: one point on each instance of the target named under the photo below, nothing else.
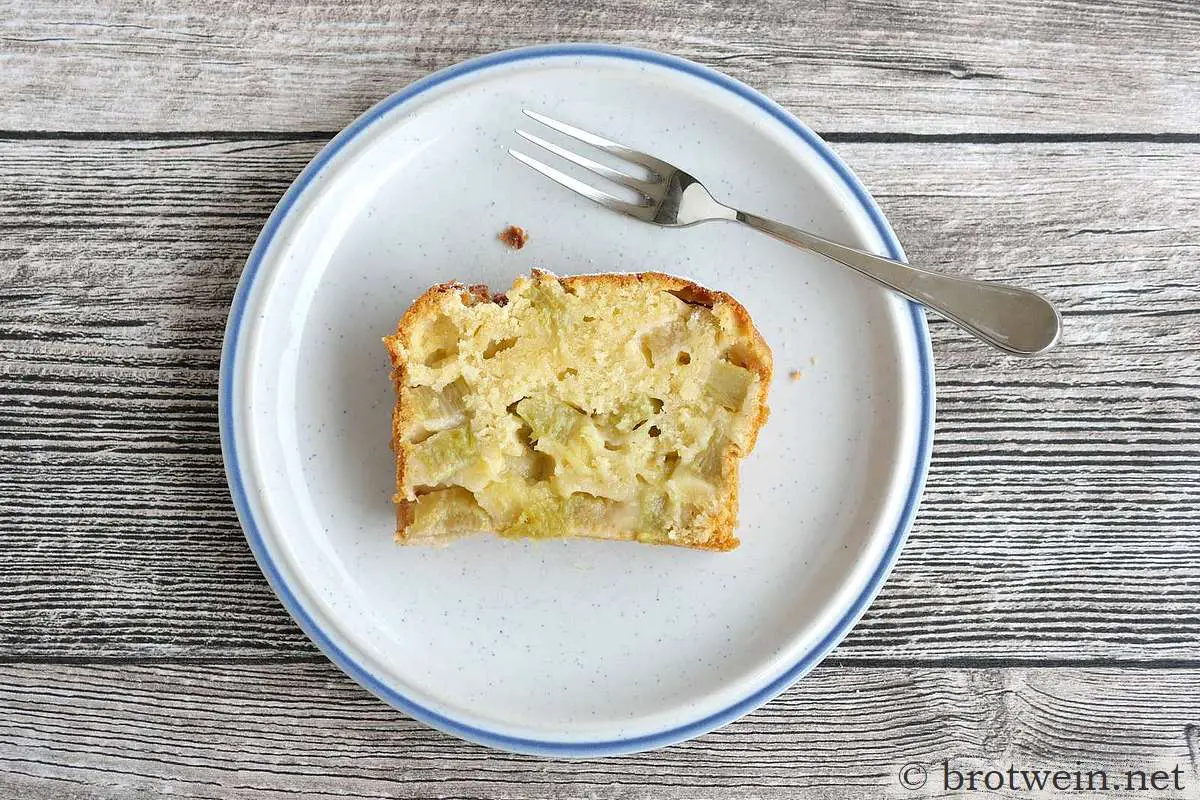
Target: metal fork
(1015, 320)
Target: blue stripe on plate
(296, 609)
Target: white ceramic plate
(574, 648)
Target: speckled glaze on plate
(576, 648)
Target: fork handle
(1012, 319)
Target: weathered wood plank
(1061, 513)
(933, 66)
(303, 730)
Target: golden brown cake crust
(758, 360)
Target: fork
(1015, 320)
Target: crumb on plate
(514, 236)
(795, 375)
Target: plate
(570, 648)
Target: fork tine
(658, 168)
(578, 186)
(607, 172)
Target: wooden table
(1045, 612)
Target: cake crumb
(514, 236)
(812, 361)
(795, 375)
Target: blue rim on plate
(358, 672)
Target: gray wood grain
(1061, 512)
(920, 67)
(1045, 612)
(304, 731)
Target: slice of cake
(603, 406)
